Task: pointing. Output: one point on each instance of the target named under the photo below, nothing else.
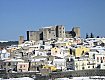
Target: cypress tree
(91, 35)
(87, 36)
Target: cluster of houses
(61, 54)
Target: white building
(60, 64)
(83, 64)
(4, 54)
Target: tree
(91, 35)
(73, 33)
(98, 37)
(87, 36)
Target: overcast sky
(18, 16)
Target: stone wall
(53, 75)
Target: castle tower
(60, 31)
(77, 31)
(21, 39)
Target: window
(9, 63)
(55, 51)
(101, 58)
(49, 31)
(101, 61)
(20, 66)
(97, 59)
(88, 66)
(4, 64)
(47, 59)
(93, 56)
(83, 68)
(93, 66)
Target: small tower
(21, 39)
(77, 31)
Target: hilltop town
(52, 49)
